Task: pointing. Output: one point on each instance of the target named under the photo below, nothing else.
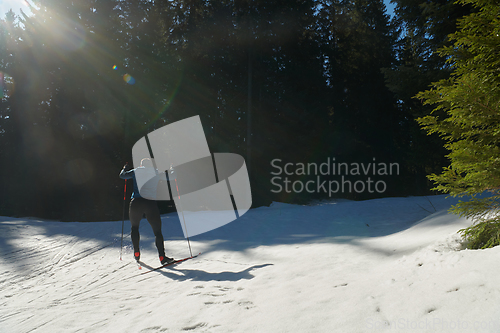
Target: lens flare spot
(6, 85)
(128, 78)
(115, 67)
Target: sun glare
(16, 6)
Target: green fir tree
(467, 116)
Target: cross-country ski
(169, 264)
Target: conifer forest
(296, 87)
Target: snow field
(385, 265)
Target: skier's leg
(154, 219)
(135, 214)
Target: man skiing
(140, 206)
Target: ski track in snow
(385, 265)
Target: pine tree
(467, 117)
(422, 27)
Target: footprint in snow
(153, 329)
(193, 327)
(246, 304)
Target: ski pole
(123, 220)
(182, 212)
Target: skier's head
(147, 162)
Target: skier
(139, 207)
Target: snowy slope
(385, 265)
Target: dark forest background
(297, 80)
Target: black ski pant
(137, 209)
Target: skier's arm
(126, 174)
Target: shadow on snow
(61, 243)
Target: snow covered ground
(385, 265)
